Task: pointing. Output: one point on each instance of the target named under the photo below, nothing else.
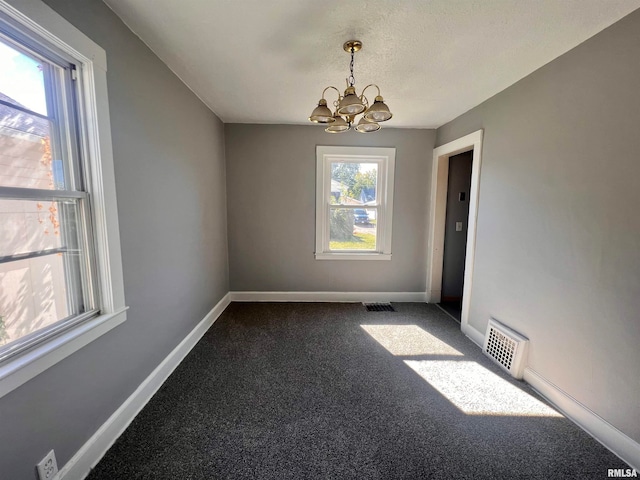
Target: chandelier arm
(370, 85)
(331, 86)
(365, 102)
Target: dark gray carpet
(297, 391)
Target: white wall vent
(506, 347)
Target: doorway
(472, 144)
(455, 233)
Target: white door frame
(438, 210)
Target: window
(354, 203)
(60, 265)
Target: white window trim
(324, 156)
(35, 16)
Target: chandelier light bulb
(378, 112)
(338, 125)
(367, 126)
(350, 103)
(321, 114)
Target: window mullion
(88, 271)
(19, 193)
(364, 206)
(326, 234)
(380, 226)
(25, 110)
(28, 255)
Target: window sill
(17, 371)
(353, 256)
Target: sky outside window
(21, 79)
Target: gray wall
(170, 180)
(558, 244)
(271, 182)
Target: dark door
(455, 231)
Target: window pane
(21, 79)
(37, 291)
(26, 155)
(29, 226)
(33, 295)
(353, 183)
(352, 229)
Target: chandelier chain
(351, 79)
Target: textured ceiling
(267, 61)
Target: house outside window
(354, 202)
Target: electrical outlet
(48, 467)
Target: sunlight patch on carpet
(478, 391)
(408, 340)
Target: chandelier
(349, 105)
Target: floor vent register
(379, 307)
(506, 347)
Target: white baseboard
(475, 335)
(328, 296)
(433, 296)
(94, 449)
(612, 438)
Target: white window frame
(39, 21)
(385, 158)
